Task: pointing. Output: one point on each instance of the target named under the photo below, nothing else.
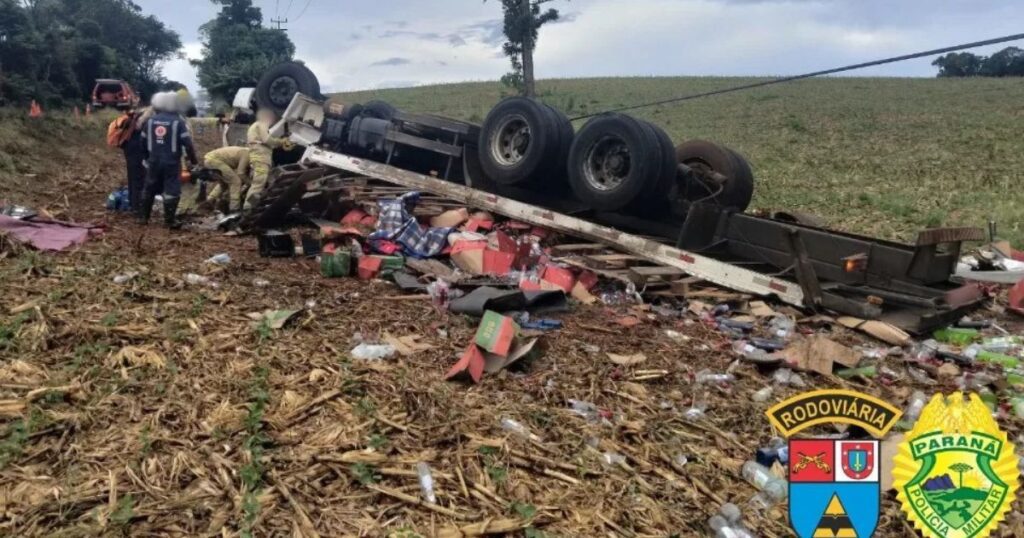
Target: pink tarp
(46, 234)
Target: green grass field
(884, 157)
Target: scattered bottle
(260, 282)
(773, 488)
(762, 395)
(125, 278)
(768, 455)
(785, 376)
(587, 410)
(956, 335)
(515, 427)
(749, 351)
(220, 259)
(912, 411)
(426, 482)
(699, 407)
(782, 327)
(1002, 344)
(979, 353)
(705, 377)
(924, 351)
(613, 458)
(865, 371)
(200, 280)
(371, 352)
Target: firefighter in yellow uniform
(233, 164)
(261, 153)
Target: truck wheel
(615, 162)
(381, 110)
(520, 142)
(280, 83)
(655, 197)
(723, 177)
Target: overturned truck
(617, 181)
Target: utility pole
(279, 21)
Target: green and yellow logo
(956, 473)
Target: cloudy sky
(359, 44)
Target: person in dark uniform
(164, 137)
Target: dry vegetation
(159, 408)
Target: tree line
(1008, 62)
(53, 51)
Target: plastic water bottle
(749, 351)
(782, 327)
(705, 377)
(773, 488)
(587, 410)
(914, 407)
(200, 280)
(515, 427)
(426, 482)
(1002, 344)
(762, 395)
(369, 352)
(220, 259)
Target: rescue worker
(233, 164)
(165, 136)
(261, 153)
(124, 134)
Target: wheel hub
(608, 164)
(282, 90)
(511, 142)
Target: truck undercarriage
(619, 182)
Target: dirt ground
(158, 408)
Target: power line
(304, 8)
(944, 50)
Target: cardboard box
(355, 216)
(469, 256)
(563, 278)
(496, 333)
(450, 219)
(336, 264)
(497, 263)
(470, 365)
(369, 267)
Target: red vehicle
(114, 93)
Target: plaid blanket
(397, 224)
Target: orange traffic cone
(35, 111)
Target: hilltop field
(884, 157)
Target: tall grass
(879, 156)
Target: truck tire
(520, 142)
(736, 190)
(615, 162)
(655, 198)
(381, 110)
(280, 83)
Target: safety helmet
(164, 102)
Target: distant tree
(237, 49)
(961, 468)
(523, 19)
(53, 50)
(959, 64)
(1008, 62)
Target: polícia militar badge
(956, 473)
(834, 485)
